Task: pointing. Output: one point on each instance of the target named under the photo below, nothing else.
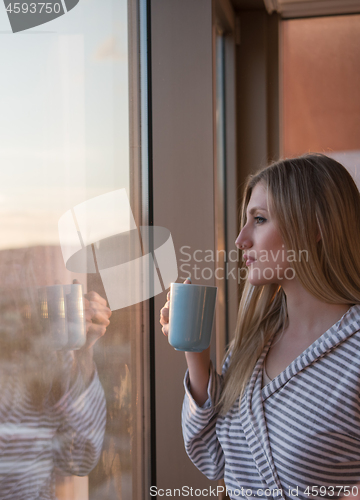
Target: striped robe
(302, 429)
(67, 436)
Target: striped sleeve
(199, 427)
(78, 442)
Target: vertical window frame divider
(142, 356)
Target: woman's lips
(248, 260)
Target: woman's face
(260, 239)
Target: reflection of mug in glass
(191, 316)
(62, 316)
(75, 316)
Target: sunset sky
(64, 118)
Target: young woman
(283, 419)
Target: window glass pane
(66, 202)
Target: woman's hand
(97, 316)
(198, 362)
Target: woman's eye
(259, 219)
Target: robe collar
(347, 325)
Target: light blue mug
(191, 316)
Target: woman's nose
(243, 241)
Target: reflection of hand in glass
(97, 316)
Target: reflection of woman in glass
(284, 416)
(52, 405)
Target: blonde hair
(316, 204)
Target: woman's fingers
(97, 312)
(101, 314)
(97, 316)
(95, 297)
(164, 315)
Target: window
(73, 95)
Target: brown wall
(183, 177)
(321, 84)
